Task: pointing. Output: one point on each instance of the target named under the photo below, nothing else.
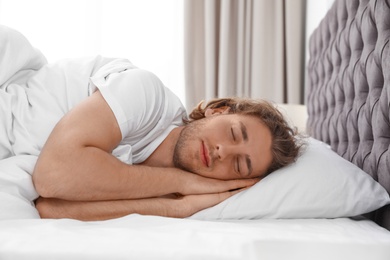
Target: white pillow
(320, 184)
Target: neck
(163, 155)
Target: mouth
(204, 155)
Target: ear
(216, 111)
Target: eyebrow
(244, 131)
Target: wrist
(179, 180)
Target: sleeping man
(112, 140)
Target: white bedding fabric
(149, 237)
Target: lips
(204, 155)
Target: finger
(195, 203)
(242, 183)
(234, 192)
(225, 195)
(240, 189)
(203, 185)
(253, 181)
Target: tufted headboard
(348, 92)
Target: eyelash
(237, 159)
(238, 165)
(234, 137)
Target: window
(147, 32)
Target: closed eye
(234, 137)
(238, 165)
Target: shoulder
(129, 81)
(138, 98)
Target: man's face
(225, 146)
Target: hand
(185, 206)
(196, 184)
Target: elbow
(39, 183)
(44, 181)
(42, 189)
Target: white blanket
(19, 62)
(35, 95)
(28, 87)
(17, 192)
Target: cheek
(188, 154)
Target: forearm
(88, 174)
(168, 206)
(103, 210)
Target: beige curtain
(247, 48)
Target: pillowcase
(320, 184)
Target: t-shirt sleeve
(135, 96)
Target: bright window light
(147, 32)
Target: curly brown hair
(285, 144)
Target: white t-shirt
(145, 109)
(38, 99)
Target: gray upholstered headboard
(348, 94)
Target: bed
(333, 203)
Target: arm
(76, 163)
(176, 206)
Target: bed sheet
(150, 237)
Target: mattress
(151, 237)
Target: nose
(224, 151)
